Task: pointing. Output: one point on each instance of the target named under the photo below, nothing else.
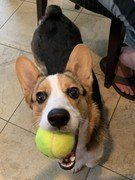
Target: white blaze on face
(58, 99)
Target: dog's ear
(80, 63)
(28, 75)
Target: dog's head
(59, 101)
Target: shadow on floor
(109, 144)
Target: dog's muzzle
(59, 118)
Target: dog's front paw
(77, 168)
(92, 164)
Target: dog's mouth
(68, 162)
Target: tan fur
(28, 75)
(80, 63)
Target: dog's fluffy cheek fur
(37, 113)
(83, 108)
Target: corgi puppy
(63, 92)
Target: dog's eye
(73, 92)
(41, 97)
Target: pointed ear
(80, 64)
(28, 75)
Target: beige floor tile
(110, 97)
(95, 32)
(2, 177)
(65, 4)
(86, 11)
(7, 8)
(21, 160)
(97, 69)
(18, 31)
(10, 92)
(2, 124)
(122, 128)
(33, 1)
(7, 54)
(95, 58)
(55, 2)
(100, 173)
(58, 174)
(70, 14)
(23, 117)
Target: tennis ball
(54, 144)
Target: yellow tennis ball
(54, 144)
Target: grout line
(77, 16)
(13, 60)
(87, 173)
(3, 119)
(8, 121)
(11, 115)
(114, 111)
(21, 127)
(115, 172)
(21, 51)
(15, 109)
(74, 19)
(16, 126)
(15, 48)
(11, 15)
(3, 127)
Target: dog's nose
(58, 117)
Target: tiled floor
(19, 159)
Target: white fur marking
(57, 99)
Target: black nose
(58, 117)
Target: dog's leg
(81, 150)
(94, 156)
(89, 158)
(80, 160)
